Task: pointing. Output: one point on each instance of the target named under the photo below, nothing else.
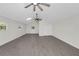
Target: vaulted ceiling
(57, 11)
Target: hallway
(33, 45)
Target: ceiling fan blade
(28, 5)
(34, 8)
(45, 4)
(39, 7)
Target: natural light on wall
(28, 19)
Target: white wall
(67, 30)
(45, 28)
(12, 30)
(29, 29)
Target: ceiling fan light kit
(37, 19)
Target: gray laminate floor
(33, 45)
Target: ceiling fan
(37, 5)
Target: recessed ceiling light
(28, 19)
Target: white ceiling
(57, 11)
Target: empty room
(39, 29)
